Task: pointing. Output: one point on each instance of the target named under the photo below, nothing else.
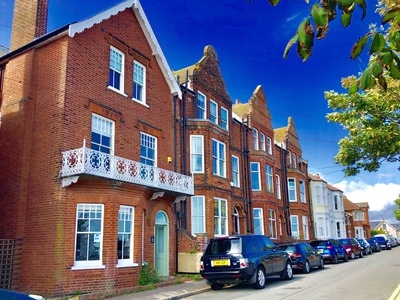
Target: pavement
(169, 292)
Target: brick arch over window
(238, 219)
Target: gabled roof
(348, 205)
(374, 224)
(79, 27)
(289, 131)
(146, 28)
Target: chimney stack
(29, 22)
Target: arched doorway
(161, 244)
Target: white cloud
(377, 195)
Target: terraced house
(110, 161)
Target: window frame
(143, 86)
(269, 180)
(294, 217)
(224, 122)
(220, 218)
(302, 188)
(272, 224)
(260, 217)
(292, 189)
(193, 154)
(201, 108)
(101, 132)
(262, 141)
(304, 221)
(253, 172)
(89, 264)
(218, 158)
(194, 215)
(235, 172)
(213, 115)
(127, 262)
(255, 139)
(119, 90)
(147, 158)
(269, 145)
(278, 187)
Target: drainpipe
(285, 192)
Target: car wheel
(321, 264)
(306, 268)
(260, 280)
(345, 258)
(335, 259)
(361, 254)
(217, 286)
(287, 272)
(370, 251)
(352, 255)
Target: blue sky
(250, 39)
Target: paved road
(375, 276)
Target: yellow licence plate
(320, 250)
(220, 263)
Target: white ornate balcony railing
(87, 161)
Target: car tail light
(244, 263)
(295, 255)
(201, 265)
(329, 247)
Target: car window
(309, 248)
(290, 249)
(319, 243)
(223, 246)
(270, 245)
(250, 245)
(345, 242)
(335, 242)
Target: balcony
(85, 161)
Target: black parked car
(383, 242)
(303, 256)
(365, 246)
(375, 247)
(331, 250)
(243, 259)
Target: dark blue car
(374, 245)
(303, 256)
(331, 250)
(11, 295)
(243, 259)
(383, 242)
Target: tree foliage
(397, 210)
(383, 41)
(372, 120)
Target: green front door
(161, 249)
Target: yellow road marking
(395, 294)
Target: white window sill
(127, 265)
(88, 267)
(140, 102)
(117, 91)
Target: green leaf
(376, 69)
(363, 5)
(346, 19)
(367, 81)
(274, 2)
(382, 83)
(345, 3)
(394, 72)
(359, 46)
(386, 57)
(305, 34)
(390, 15)
(378, 43)
(319, 15)
(292, 41)
(353, 89)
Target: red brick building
(89, 166)
(357, 219)
(110, 161)
(296, 173)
